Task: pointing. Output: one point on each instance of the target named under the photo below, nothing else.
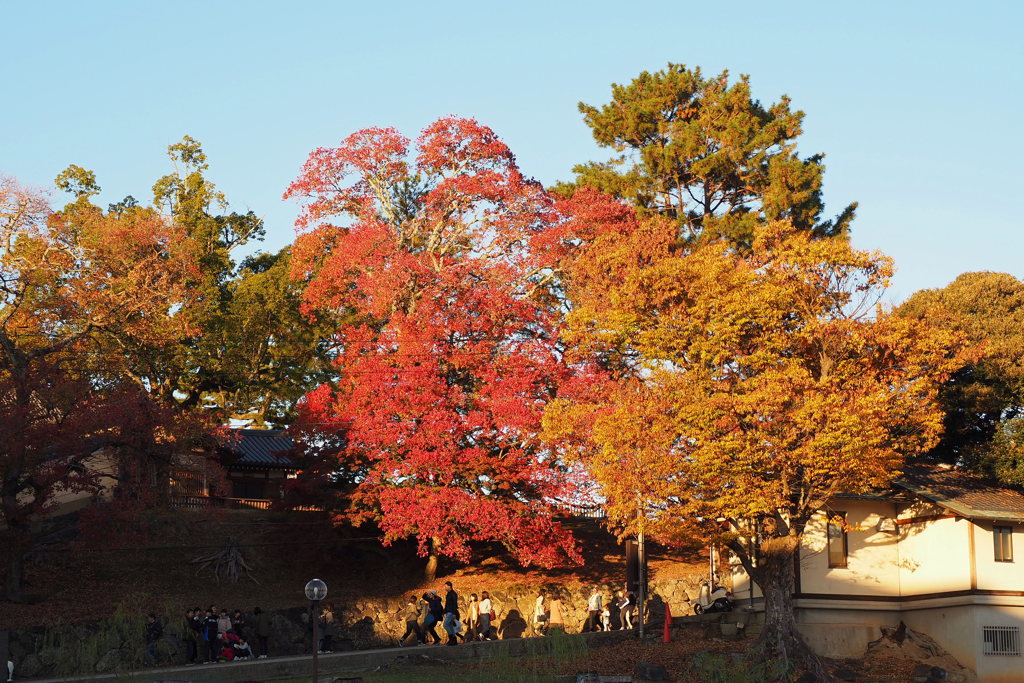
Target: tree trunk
(430, 571)
(14, 590)
(781, 646)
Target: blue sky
(917, 105)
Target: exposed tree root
(784, 653)
(228, 560)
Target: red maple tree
(447, 358)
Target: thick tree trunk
(14, 590)
(781, 646)
(430, 571)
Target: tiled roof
(265, 448)
(966, 494)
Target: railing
(585, 511)
(202, 502)
(246, 503)
(190, 502)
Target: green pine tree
(703, 152)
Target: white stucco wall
(951, 627)
(992, 575)
(959, 631)
(930, 554)
(934, 557)
(743, 589)
(872, 560)
(998, 668)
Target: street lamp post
(316, 590)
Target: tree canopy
(71, 284)
(988, 308)
(446, 355)
(745, 387)
(248, 353)
(705, 154)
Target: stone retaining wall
(116, 644)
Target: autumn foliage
(735, 394)
(448, 355)
(74, 285)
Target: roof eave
(960, 509)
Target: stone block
(650, 672)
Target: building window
(1003, 537)
(1000, 640)
(837, 545)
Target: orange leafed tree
(732, 390)
(71, 284)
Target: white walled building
(943, 552)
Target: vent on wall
(1001, 640)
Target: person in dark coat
(238, 622)
(154, 630)
(451, 614)
(191, 634)
(435, 612)
(327, 628)
(211, 638)
(262, 631)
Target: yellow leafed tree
(729, 390)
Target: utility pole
(641, 553)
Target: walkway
(332, 665)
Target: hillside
(71, 583)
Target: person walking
(622, 609)
(556, 615)
(262, 631)
(630, 609)
(451, 622)
(412, 622)
(154, 630)
(594, 605)
(435, 611)
(540, 615)
(486, 615)
(472, 617)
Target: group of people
(218, 636)
(222, 637)
(424, 613)
(612, 615)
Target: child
(606, 618)
(241, 649)
(227, 653)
